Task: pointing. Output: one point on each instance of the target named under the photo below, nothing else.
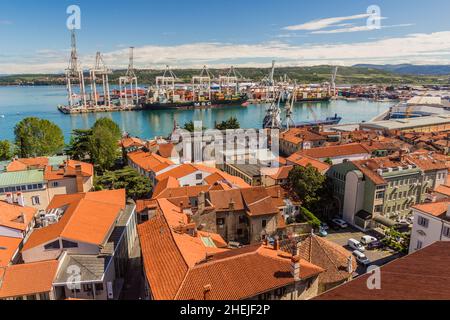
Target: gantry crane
(100, 72)
(75, 74)
(129, 81)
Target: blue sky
(34, 38)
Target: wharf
(97, 109)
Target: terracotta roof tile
(88, 217)
(335, 151)
(11, 214)
(22, 279)
(304, 161)
(9, 247)
(149, 161)
(423, 275)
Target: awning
(384, 221)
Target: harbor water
(17, 103)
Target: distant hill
(410, 69)
(314, 74)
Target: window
(379, 208)
(36, 201)
(87, 287)
(44, 296)
(379, 195)
(446, 232)
(52, 246)
(99, 287)
(55, 184)
(264, 223)
(423, 222)
(242, 219)
(220, 222)
(419, 245)
(68, 244)
(239, 232)
(199, 176)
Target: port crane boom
(129, 80)
(75, 74)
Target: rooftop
(88, 217)
(16, 217)
(335, 151)
(21, 178)
(403, 124)
(28, 279)
(436, 209)
(423, 275)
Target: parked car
(375, 245)
(365, 240)
(356, 245)
(361, 258)
(341, 223)
(410, 220)
(324, 226)
(323, 233)
(234, 245)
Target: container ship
(166, 104)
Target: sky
(34, 37)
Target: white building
(431, 224)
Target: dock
(97, 109)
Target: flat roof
(399, 124)
(91, 268)
(21, 177)
(252, 170)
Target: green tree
(37, 137)
(79, 147)
(189, 126)
(328, 161)
(231, 123)
(110, 125)
(307, 184)
(137, 186)
(103, 148)
(5, 150)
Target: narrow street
(134, 282)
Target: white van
(356, 245)
(361, 258)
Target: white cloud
(359, 29)
(414, 48)
(325, 23)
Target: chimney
(9, 198)
(295, 268)
(79, 178)
(201, 202)
(276, 245)
(350, 265)
(20, 200)
(448, 212)
(232, 204)
(78, 168)
(207, 292)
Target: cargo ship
(216, 101)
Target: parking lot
(377, 257)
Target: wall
(39, 253)
(354, 196)
(430, 235)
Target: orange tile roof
(132, 142)
(166, 150)
(282, 173)
(189, 192)
(26, 163)
(178, 172)
(28, 279)
(242, 276)
(150, 162)
(331, 257)
(258, 202)
(443, 189)
(335, 151)
(10, 213)
(9, 246)
(168, 183)
(298, 135)
(176, 268)
(304, 161)
(437, 209)
(422, 275)
(142, 205)
(68, 169)
(222, 200)
(88, 218)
